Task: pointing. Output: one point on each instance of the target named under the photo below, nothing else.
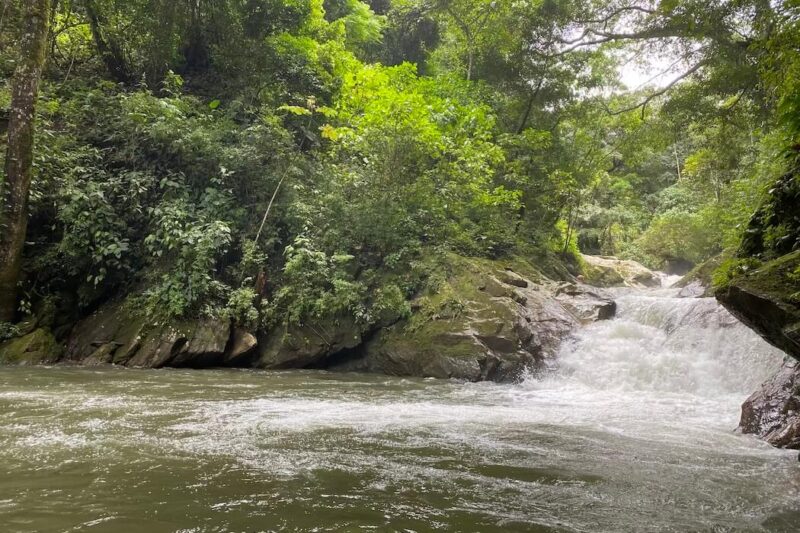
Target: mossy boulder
(604, 271)
(116, 333)
(35, 348)
(478, 320)
(767, 299)
(698, 281)
(309, 344)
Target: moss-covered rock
(602, 271)
(767, 299)
(116, 333)
(37, 347)
(300, 346)
(478, 320)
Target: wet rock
(193, 343)
(116, 334)
(587, 304)
(694, 289)
(484, 323)
(767, 299)
(773, 412)
(35, 348)
(300, 346)
(603, 271)
(104, 354)
(241, 347)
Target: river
(633, 432)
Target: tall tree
(14, 190)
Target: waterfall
(664, 343)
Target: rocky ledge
(767, 299)
(478, 320)
(607, 271)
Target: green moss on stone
(37, 347)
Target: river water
(633, 432)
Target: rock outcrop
(602, 271)
(767, 299)
(114, 334)
(773, 412)
(36, 348)
(307, 345)
(480, 323)
(477, 320)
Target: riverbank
(639, 412)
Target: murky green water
(117, 451)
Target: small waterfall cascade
(659, 342)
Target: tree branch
(643, 104)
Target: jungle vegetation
(273, 160)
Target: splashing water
(632, 433)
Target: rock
(694, 289)
(483, 323)
(37, 347)
(767, 299)
(241, 347)
(587, 304)
(196, 343)
(308, 344)
(603, 271)
(697, 283)
(509, 277)
(116, 334)
(102, 355)
(773, 412)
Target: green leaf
(214, 104)
(295, 110)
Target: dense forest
(272, 161)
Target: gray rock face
(241, 347)
(588, 304)
(114, 335)
(773, 412)
(307, 345)
(694, 289)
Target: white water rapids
(633, 432)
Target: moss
(37, 347)
(779, 278)
(602, 277)
(704, 272)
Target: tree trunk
(15, 189)
(108, 47)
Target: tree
(15, 189)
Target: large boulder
(588, 304)
(309, 344)
(117, 334)
(773, 412)
(482, 322)
(767, 299)
(603, 271)
(36, 348)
